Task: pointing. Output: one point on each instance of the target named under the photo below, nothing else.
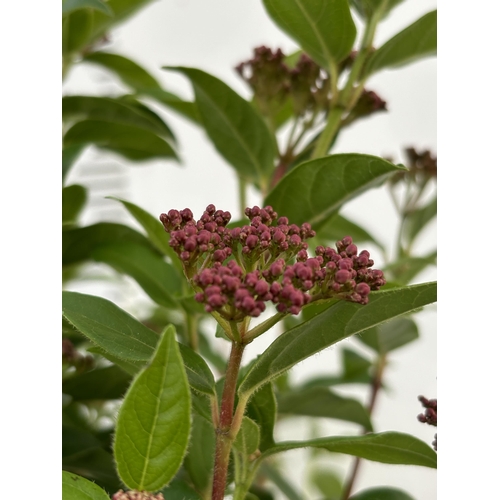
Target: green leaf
(156, 277)
(199, 374)
(109, 327)
(417, 220)
(336, 227)
(336, 323)
(327, 483)
(71, 5)
(186, 109)
(320, 402)
(248, 438)
(125, 110)
(130, 367)
(179, 490)
(323, 28)
(262, 410)
(122, 336)
(129, 141)
(366, 8)
(237, 131)
(110, 382)
(73, 201)
(122, 10)
(96, 465)
(405, 269)
(77, 30)
(153, 424)
(355, 364)
(273, 474)
(79, 243)
(199, 460)
(391, 335)
(129, 72)
(78, 488)
(315, 190)
(69, 157)
(154, 229)
(384, 447)
(415, 42)
(382, 493)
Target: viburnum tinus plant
(153, 409)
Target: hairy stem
(224, 436)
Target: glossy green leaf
(391, 335)
(337, 227)
(71, 5)
(336, 323)
(382, 493)
(235, 128)
(417, 220)
(366, 8)
(262, 409)
(199, 461)
(124, 110)
(122, 336)
(110, 382)
(130, 367)
(154, 229)
(415, 42)
(186, 109)
(129, 141)
(96, 465)
(109, 327)
(77, 30)
(156, 277)
(129, 72)
(79, 243)
(405, 269)
(69, 157)
(384, 447)
(153, 424)
(73, 201)
(248, 438)
(323, 28)
(327, 483)
(315, 190)
(75, 487)
(321, 402)
(199, 374)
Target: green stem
(192, 330)
(224, 436)
(242, 186)
(263, 327)
(326, 137)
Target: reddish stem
(224, 439)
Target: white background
(215, 36)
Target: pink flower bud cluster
(258, 271)
(136, 495)
(430, 415)
(272, 81)
(191, 239)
